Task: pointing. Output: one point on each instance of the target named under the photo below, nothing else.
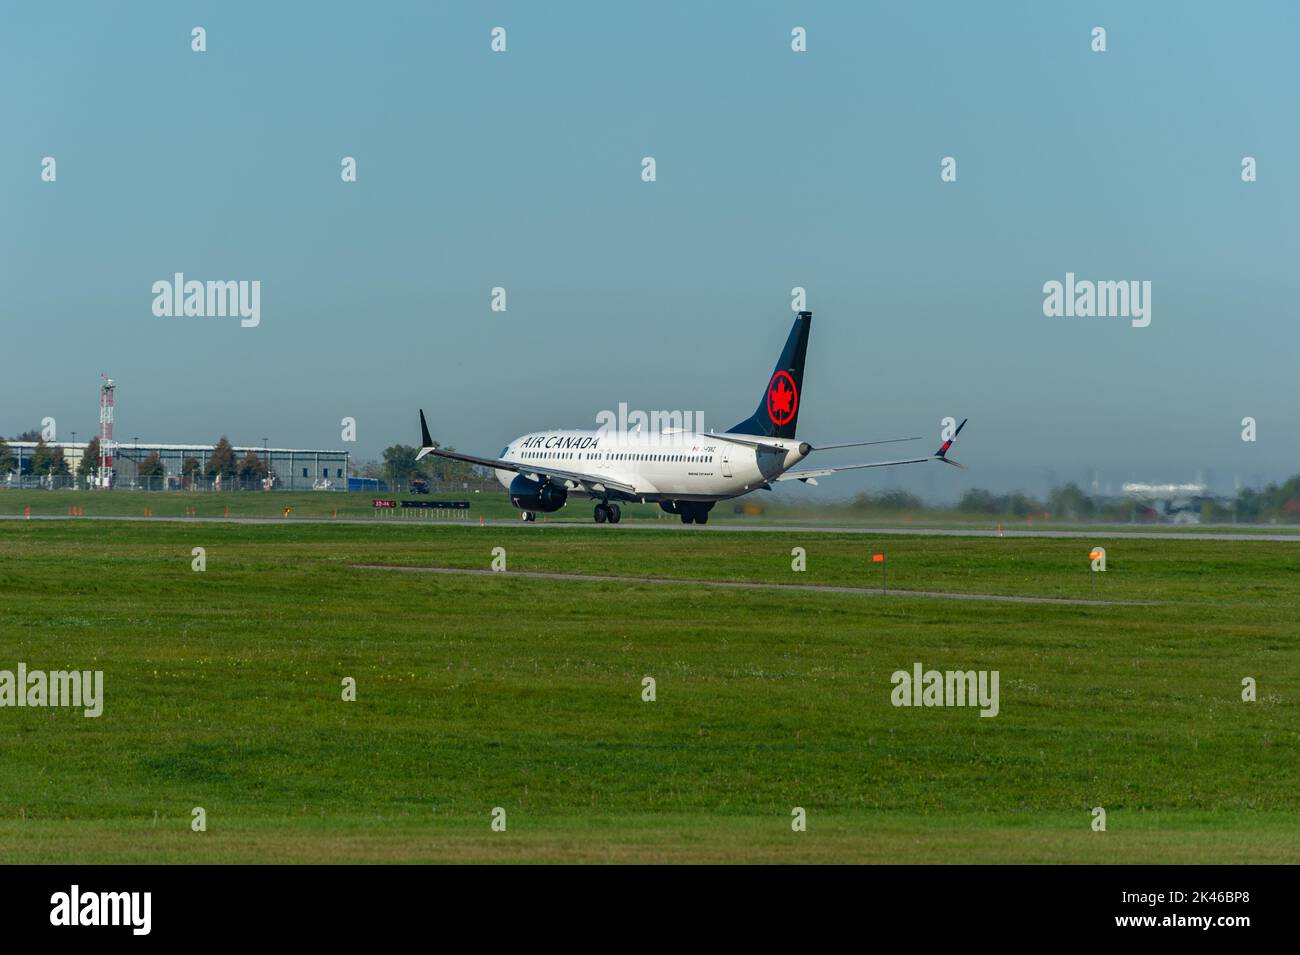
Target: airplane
(685, 472)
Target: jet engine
(529, 495)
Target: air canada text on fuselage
(561, 442)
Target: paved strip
(751, 585)
(1098, 533)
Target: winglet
(426, 442)
(942, 453)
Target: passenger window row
(615, 456)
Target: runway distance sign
(381, 502)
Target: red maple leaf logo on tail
(782, 398)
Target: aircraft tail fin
(778, 408)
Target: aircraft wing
(589, 482)
(810, 475)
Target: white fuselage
(673, 465)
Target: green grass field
(222, 691)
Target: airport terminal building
(298, 469)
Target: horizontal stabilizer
(863, 444)
(808, 475)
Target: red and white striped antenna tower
(106, 432)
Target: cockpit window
(505, 451)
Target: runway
(1098, 532)
(752, 585)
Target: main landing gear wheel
(608, 512)
(602, 514)
(528, 516)
(693, 513)
(615, 515)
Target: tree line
(1271, 504)
(44, 459)
(399, 467)
(47, 459)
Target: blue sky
(775, 170)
